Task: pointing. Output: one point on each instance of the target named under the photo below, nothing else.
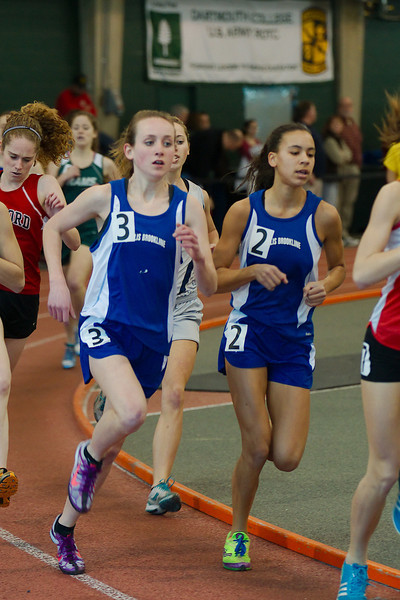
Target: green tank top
(89, 176)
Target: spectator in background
(353, 138)
(305, 112)
(389, 135)
(208, 165)
(181, 111)
(249, 149)
(198, 121)
(339, 166)
(75, 97)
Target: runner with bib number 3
(126, 321)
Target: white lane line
(95, 584)
(85, 403)
(154, 414)
(47, 340)
(339, 388)
(205, 406)
(43, 315)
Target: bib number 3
(93, 335)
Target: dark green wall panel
(381, 72)
(39, 49)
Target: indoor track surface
(129, 554)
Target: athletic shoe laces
(168, 483)
(359, 581)
(67, 547)
(240, 549)
(87, 475)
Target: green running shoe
(162, 499)
(236, 552)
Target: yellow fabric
(392, 159)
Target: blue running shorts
(99, 340)
(248, 344)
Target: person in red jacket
(75, 97)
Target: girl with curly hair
(35, 132)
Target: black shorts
(19, 314)
(379, 363)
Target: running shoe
(8, 484)
(161, 499)
(353, 582)
(236, 552)
(396, 512)
(350, 242)
(98, 405)
(69, 559)
(69, 360)
(83, 480)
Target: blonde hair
(389, 132)
(43, 126)
(128, 136)
(179, 121)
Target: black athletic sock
(63, 529)
(90, 458)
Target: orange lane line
(277, 535)
(350, 296)
(334, 299)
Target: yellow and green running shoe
(236, 552)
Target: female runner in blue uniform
(126, 321)
(267, 347)
(185, 340)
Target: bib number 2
(235, 334)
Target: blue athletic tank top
(135, 266)
(293, 246)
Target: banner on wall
(231, 41)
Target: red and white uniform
(385, 318)
(28, 218)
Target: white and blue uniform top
(135, 266)
(292, 245)
(187, 285)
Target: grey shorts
(187, 319)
